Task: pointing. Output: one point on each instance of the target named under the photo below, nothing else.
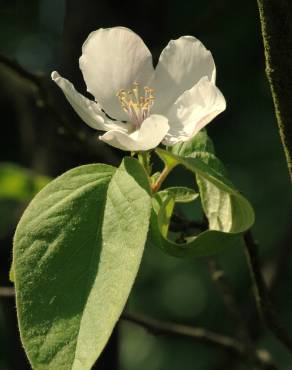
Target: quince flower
(140, 107)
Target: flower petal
(181, 65)
(113, 59)
(89, 111)
(193, 110)
(150, 134)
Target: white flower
(169, 104)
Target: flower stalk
(144, 159)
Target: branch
(225, 289)
(231, 345)
(262, 298)
(38, 82)
(35, 79)
(276, 24)
(202, 335)
(162, 328)
(44, 100)
(282, 263)
(158, 327)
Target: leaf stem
(167, 169)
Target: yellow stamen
(137, 107)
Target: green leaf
(168, 198)
(181, 194)
(199, 143)
(220, 199)
(164, 206)
(207, 243)
(77, 250)
(228, 212)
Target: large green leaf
(77, 250)
(228, 212)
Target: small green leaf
(164, 214)
(233, 212)
(181, 194)
(164, 202)
(77, 250)
(228, 212)
(199, 143)
(205, 244)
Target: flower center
(136, 105)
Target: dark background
(40, 132)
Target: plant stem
(167, 169)
(144, 159)
(262, 298)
